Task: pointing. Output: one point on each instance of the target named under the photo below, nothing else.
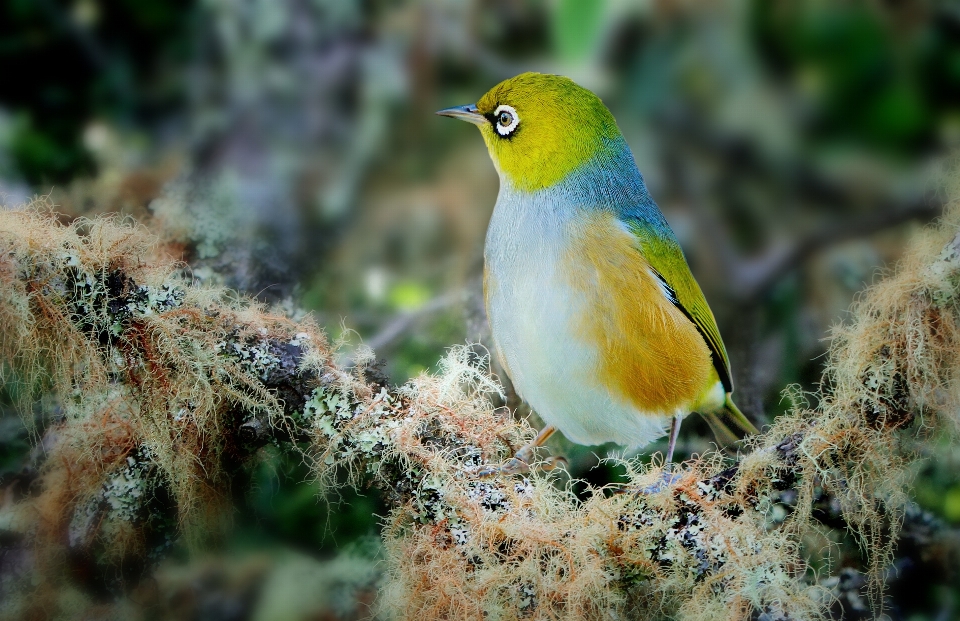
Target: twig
(755, 277)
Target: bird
(594, 313)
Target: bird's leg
(674, 432)
(667, 478)
(520, 462)
(527, 452)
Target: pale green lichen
(713, 539)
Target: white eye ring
(500, 114)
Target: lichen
(188, 381)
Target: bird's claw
(515, 465)
(518, 465)
(511, 466)
(484, 472)
(554, 462)
(525, 455)
(667, 479)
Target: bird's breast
(528, 304)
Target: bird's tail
(724, 435)
(734, 414)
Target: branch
(397, 326)
(168, 389)
(756, 276)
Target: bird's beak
(464, 113)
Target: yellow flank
(649, 352)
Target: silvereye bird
(594, 313)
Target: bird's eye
(506, 120)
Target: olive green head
(539, 128)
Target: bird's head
(539, 128)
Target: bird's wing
(670, 267)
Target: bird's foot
(521, 460)
(515, 465)
(666, 479)
(521, 464)
(554, 462)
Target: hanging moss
(167, 388)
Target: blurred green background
(288, 148)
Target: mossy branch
(167, 389)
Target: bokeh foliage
(289, 147)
